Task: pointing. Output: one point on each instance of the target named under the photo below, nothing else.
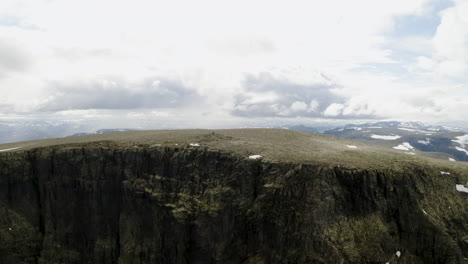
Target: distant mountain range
(24, 130)
(408, 125)
(103, 131)
(413, 138)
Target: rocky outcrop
(92, 204)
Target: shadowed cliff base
(196, 197)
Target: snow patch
(451, 159)
(3, 150)
(445, 173)
(351, 146)
(398, 253)
(461, 188)
(425, 142)
(255, 157)
(410, 153)
(462, 150)
(393, 137)
(404, 146)
(415, 130)
(462, 140)
(194, 144)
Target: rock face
(185, 205)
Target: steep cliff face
(108, 204)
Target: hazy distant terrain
(22, 130)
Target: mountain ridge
(203, 196)
(432, 141)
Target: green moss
(18, 238)
(310, 200)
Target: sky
(215, 63)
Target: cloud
(354, 108)
(6, 108)
(115, 93)
(210, 61)
(269, 95)
(12, 58)
(447, 52)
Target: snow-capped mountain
(413, 138)
(408, 125)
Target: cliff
(133, 201)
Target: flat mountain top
(274, 145)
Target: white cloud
(425, 63)
(309, 49)
(334, 110)
(450, 41)
(298, 106)
(314, 105)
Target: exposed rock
(94, 204)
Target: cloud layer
(118, 94)
(266, 96)
(245, 59)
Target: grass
(274, 145)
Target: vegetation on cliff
(195, 197)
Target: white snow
(462, 140)
(2, 150)
(415, 130)
(255, 156)
(410, 153)
(451, 159)
(351, 146)
(398, 253)
(424, 211)
(425, 142)
(9, 228)
(194, 144)
(393, 137)
(157, 145)
(445, 173)
(462, 150)
(461, 188)
(404, 146)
